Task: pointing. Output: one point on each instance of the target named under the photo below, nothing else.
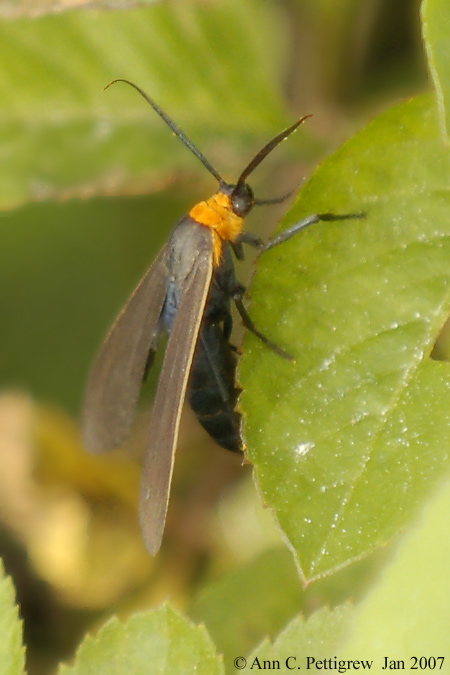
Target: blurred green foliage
(65, 270)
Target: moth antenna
(174, 127)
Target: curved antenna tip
(174, 127)
(120, 79)
(262, 154)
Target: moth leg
(227, 326)
(237, 247)
(306, 222)
(250, 239)
(227, 329)
(248, 323)
(257, 242)
(274, 200)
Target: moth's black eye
(242, 199)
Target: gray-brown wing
(114, 383)
(165, 419)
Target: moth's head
(241, 197)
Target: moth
(187, 293)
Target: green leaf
(436, 30)
(12, 652)
(315, 637)
(162, 642)
(349, 442)
(69, 267)
(62, 137)
(407, 613)
(237, 615)
(236, 612)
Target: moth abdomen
(212, 392)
